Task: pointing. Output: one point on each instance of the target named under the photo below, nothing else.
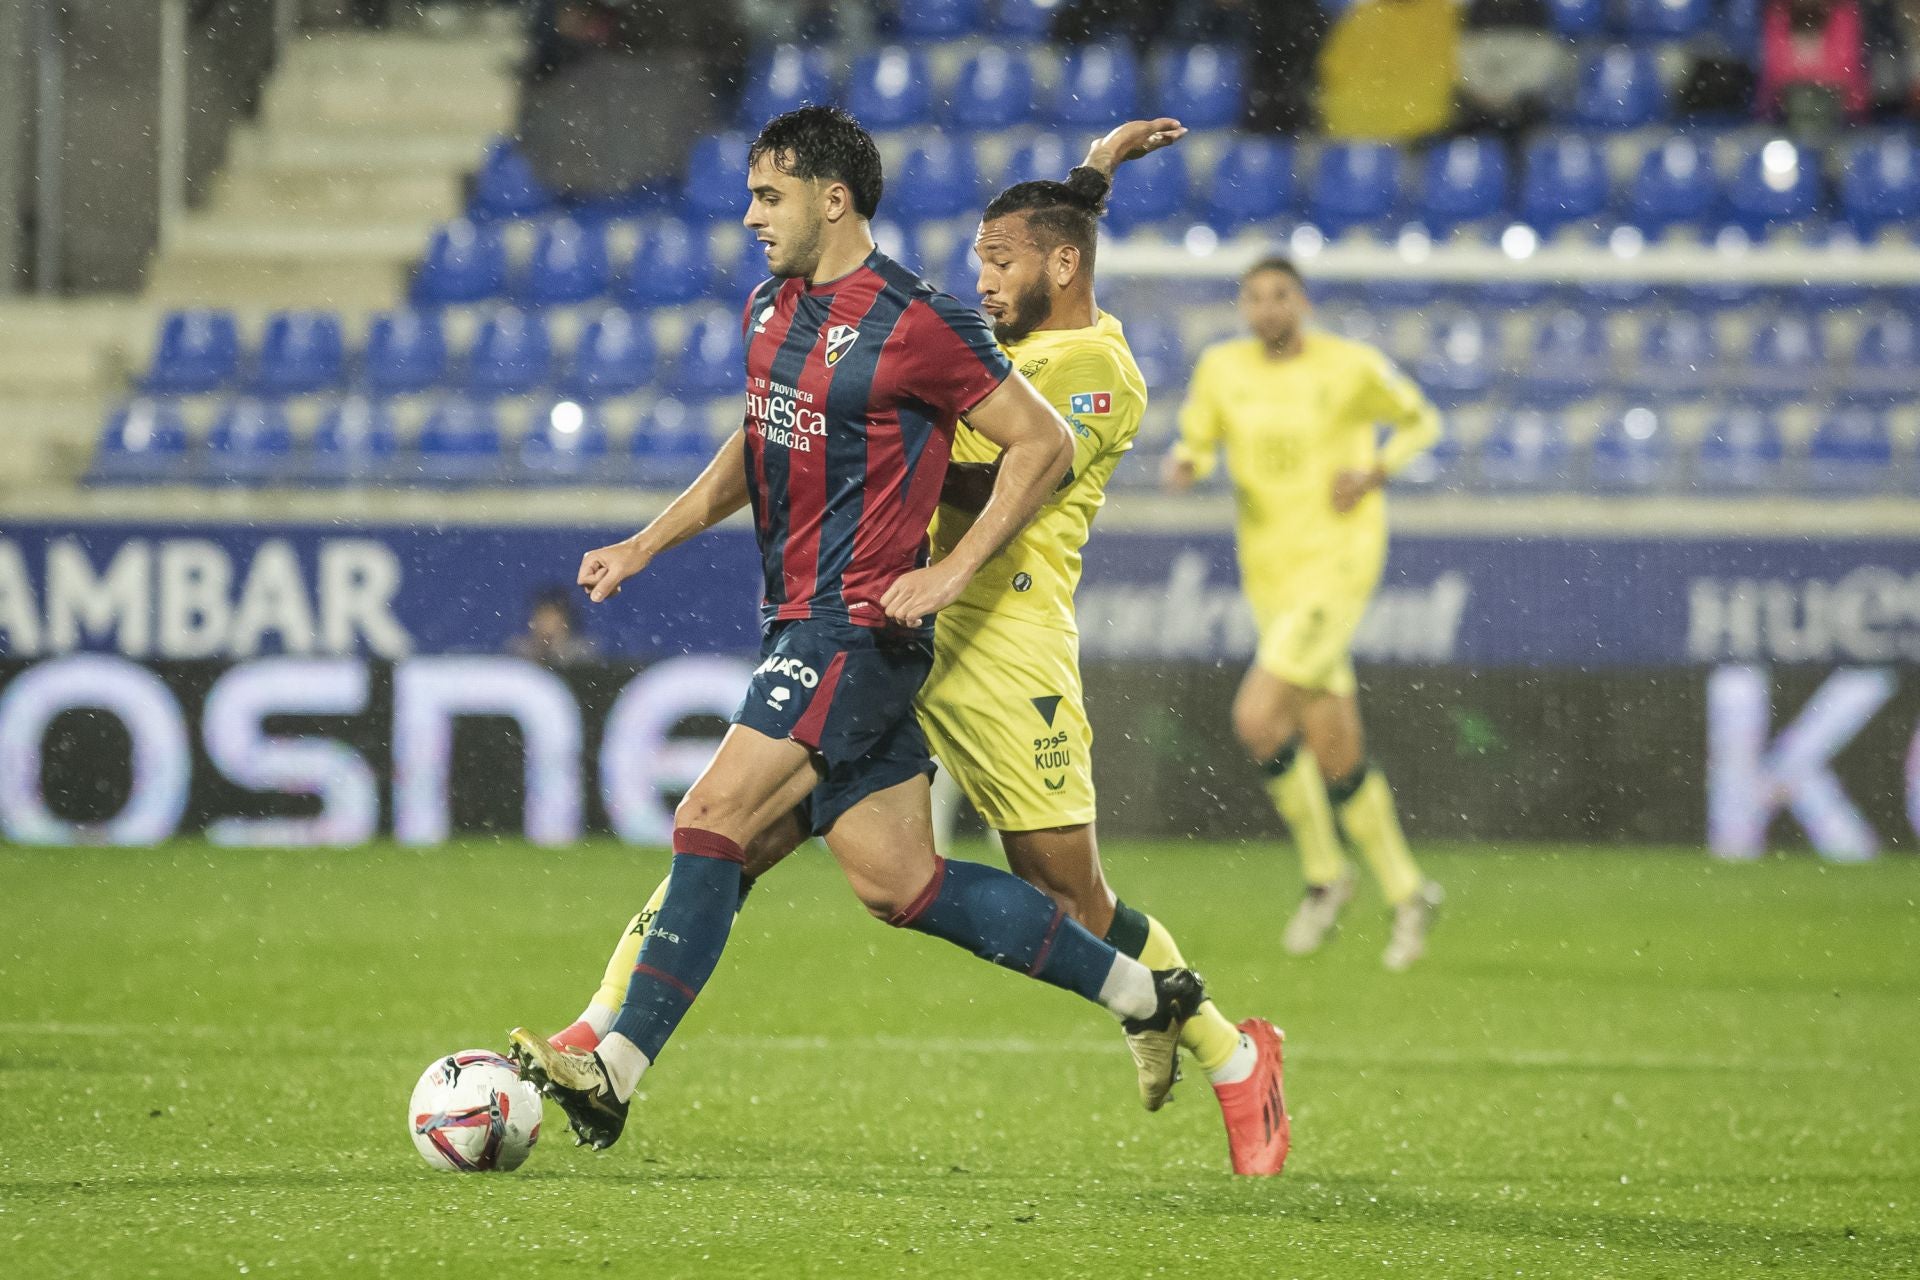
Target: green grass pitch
(1612, 1064)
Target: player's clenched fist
(604, 569)
(917, 596)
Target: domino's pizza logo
(1092, 402)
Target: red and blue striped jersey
(853, 389)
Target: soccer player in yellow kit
(1003, 708)
(1298, 414)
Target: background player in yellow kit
(1298, 414)
(1003, 708)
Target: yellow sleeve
(1202, 424)
(1089, 389)
(1395, 401)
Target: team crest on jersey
(839, 338)
(1092, 402)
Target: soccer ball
(472, 1113)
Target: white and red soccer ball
(472, 1113)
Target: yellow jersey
(1089, 377)
(1288, 427)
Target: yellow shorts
(1004, 713)
(1307, 641)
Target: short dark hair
(1274, 262)
(824, 142)
(1058, 213)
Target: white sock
(1128, 990)
(625, 1064)
(599, 1017)
(1237, 1067)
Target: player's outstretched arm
(1132, 140)
(719, 491)
(1035, 452)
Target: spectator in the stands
(552, 637)
(1388, 70)
(1509, 64)
(1813, 63)
(1281, 39)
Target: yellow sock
(613, 983)
(1208, 1036)
(1368, 816)
(1300, 794)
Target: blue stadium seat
(1030, 18)
(1787, 357)
(1851, 449)
(566, 441)
(1564, 182)
(1619, 88)
(1675, 186)
(1739, 29)
(1437, 468)
(1880, 184)
(1252, 182)
(1577, 17)
(994, 91)
(785, 77)
(1202, 87)
(1099, 84)
(942, 19)
(1524, 449)
(1354, 184)
(1151, 189)
(898, 241)
(568, 264)
(1158, 350)
(406, 351)
(735, 274)
(251, 442)
(1572, 358)
(936, 180)
(1461, 364)
(465, 262)
(1630, 451)
(669, 444)
(614, 357)
(1886, 362)
(506, 186)
(1666, 19)
(1464, 180)
(671, 264)
(512, 355)
(144, 442)
(1774, 185)
(963, 270)
(891, 88)
(1047, 155)
(198, 351)
(1678, 353)
(459, 443)
(354, 441)
(711, 360)
(1743, 449)
(302, 351)
(716, 185)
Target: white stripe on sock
(625, 1064)
(1128, 990)
(1237, 1067)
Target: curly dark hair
(1058, 213)
(824, 142)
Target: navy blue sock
(685, 942)
(1002, 918)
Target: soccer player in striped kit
(857, 372)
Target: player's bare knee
(710, 810)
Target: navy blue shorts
(845, 693)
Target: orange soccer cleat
(1255, 1109)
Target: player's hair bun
(1089, 188)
